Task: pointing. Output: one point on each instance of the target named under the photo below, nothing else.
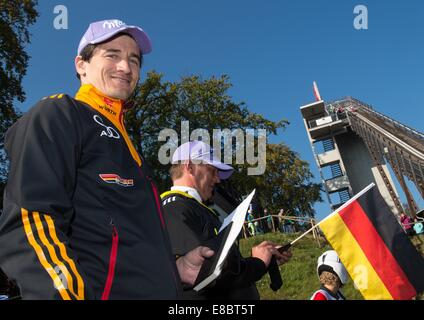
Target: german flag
(375, 250)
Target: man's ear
(189, 167)
(80, 66)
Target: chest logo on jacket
(114, 178)
(109, 132)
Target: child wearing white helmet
(332, 276)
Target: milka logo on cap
(110, 24)
(201, 153)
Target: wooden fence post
(315, 233)
(244, 231)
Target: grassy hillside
(299, 276)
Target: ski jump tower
(352, 145)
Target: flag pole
(344, 205)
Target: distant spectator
(418, 226)
(407, 224)
(275, 221)
(265, 222)
(269, 224)
(341, 113)
(281, 220)
(268, 221)
(288, 226)
(250, 225)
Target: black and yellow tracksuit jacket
(82, 219)
(190, 223)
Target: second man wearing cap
(190, 222)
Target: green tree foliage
(287, 182)
(205, 103)
(15, 18)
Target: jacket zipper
(112, 262)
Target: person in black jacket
(191, 223)
(82, 218)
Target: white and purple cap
(100, 31)
(200, 152)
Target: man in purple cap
(191, 223)
(82, 218)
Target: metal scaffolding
(388, 141)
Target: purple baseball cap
(200, 152)
(100, 31)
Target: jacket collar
(111, 108)
(191, 191)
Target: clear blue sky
(272, 50)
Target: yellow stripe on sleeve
(53, 256)
(40, 254)
(65, 256)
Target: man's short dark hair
(88, 51)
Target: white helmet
(330, 261)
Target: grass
(299, 276)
